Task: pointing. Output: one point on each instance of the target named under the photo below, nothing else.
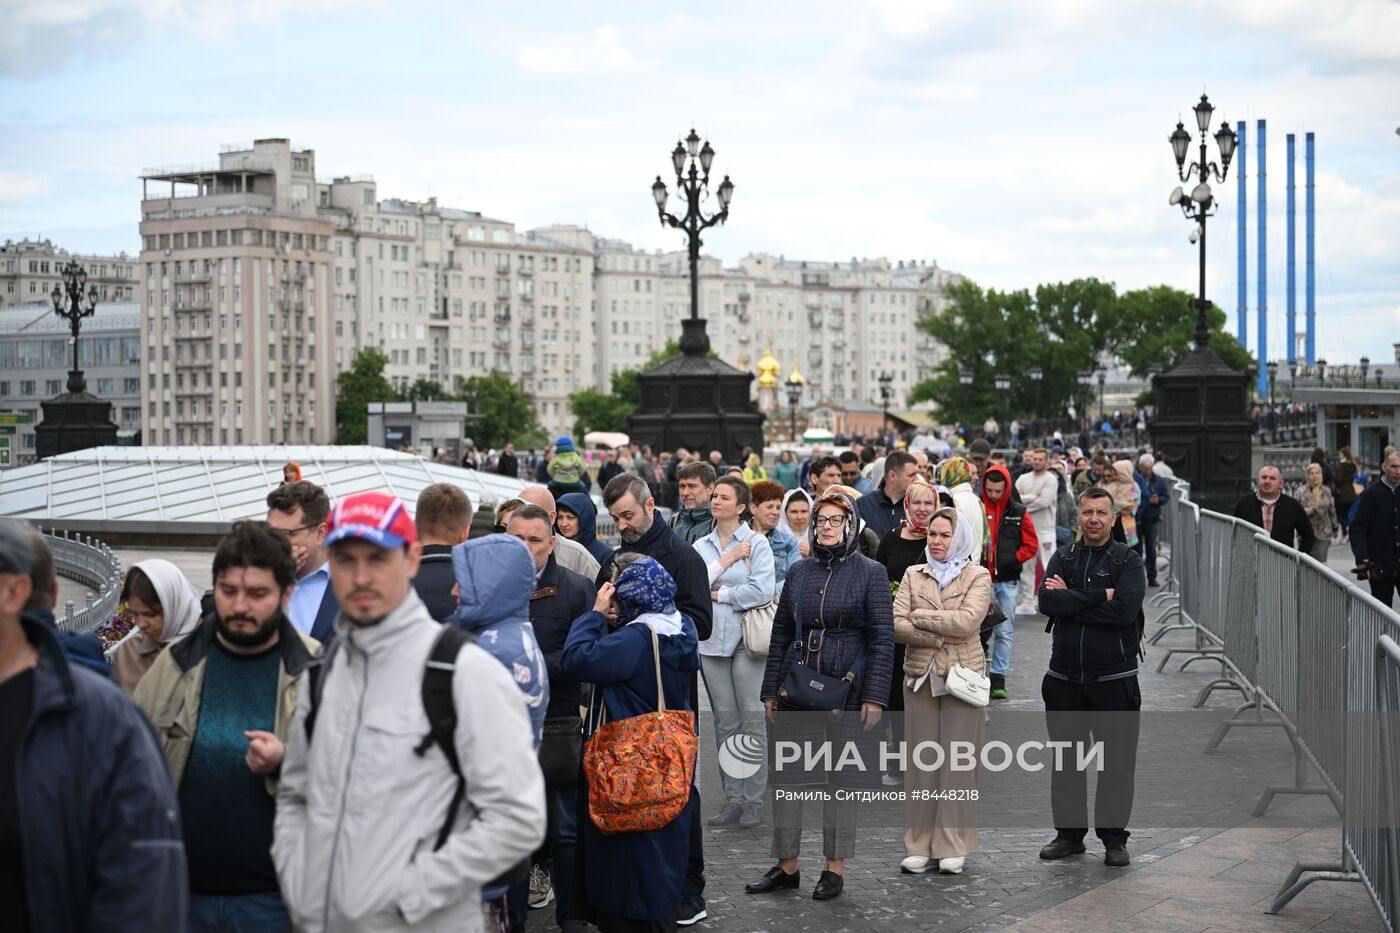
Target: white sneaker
(541, 888)
(916, 864)
(950, 866)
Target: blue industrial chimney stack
(1311, 282)
(1263, 236)
(1292, 348)
(1242, 212)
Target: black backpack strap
(1071, 567)
(442, 714)
(316, 671)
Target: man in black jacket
(560, 597)
(89, 822)
(883, 509)
(1093, 594)
(633, 511)
(1279, 514)
(507, 464)
(1375, 531)
(443, 520)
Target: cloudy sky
(1015, 142)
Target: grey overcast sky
(1015, 142)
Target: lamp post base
(694, 341)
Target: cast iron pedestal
(696, 401)
(75, 420)
(1203, 429)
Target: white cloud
(21, 186)
(603, 52)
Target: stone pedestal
(1203, 428)
(697, 402)
(75, 420)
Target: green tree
(426, 390)
(359, 385)
(1058, 328)
(1158, 325)
(501, 411)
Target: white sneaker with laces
(950, 866)
(541, 888)
(916, 864)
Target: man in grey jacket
(360, 807)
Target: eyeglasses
(835, 521)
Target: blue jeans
(1005, 595)
(558, 851)
(253, 913)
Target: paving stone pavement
(1213, 877)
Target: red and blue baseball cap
(376, 517)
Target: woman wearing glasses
(165, 606)
(839, 600)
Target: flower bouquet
(116, 628)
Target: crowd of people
(378, 721)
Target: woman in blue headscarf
(611, 648)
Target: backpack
(1118, 554)
(442, 723)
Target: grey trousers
(838, 826)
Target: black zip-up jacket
(435, 581)
(1375, 529)
(1093, 638)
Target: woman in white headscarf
(796, 518)
(165, 607)
(937, 614)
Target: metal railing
(1315, 657)
(93, 564)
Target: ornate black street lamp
(76, 420)
(794, 395)
(693, 185)
(1272, 368)
(1103, 377)
(1322, 373)
(1086, 379)
(1003, 383)
(1365, 365)
(1292, 377)
(1037, 374)
(71, 303)
(886, 393)
(965, 380)
(1197, 206)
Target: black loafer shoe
(775, 880)
(829, 885)
(1059, 848)
(1116, 856)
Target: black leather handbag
(561, 750)
(993, 618)
(807, 689)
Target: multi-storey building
(29, 270)
(36, 354)
(841, 324)
(235, 289)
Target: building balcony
(525, 271)
(206, 205)
(500, 318)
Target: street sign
(16, 417)
(7, 429)
(4, 451)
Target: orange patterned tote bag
(640, 769)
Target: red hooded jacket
(1008, 514)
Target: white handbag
(756, 624)
(969, 686)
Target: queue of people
(378, 722)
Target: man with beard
(633, 511)
(386, 819)
(222, 701)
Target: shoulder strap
(656, 660)
(442, 714)
(316, 672)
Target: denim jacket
(744, 584)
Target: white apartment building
(235, 290)
(29, 270)
(839, 324)
(446, 293)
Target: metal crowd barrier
(93, 564)
(1314, 656)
